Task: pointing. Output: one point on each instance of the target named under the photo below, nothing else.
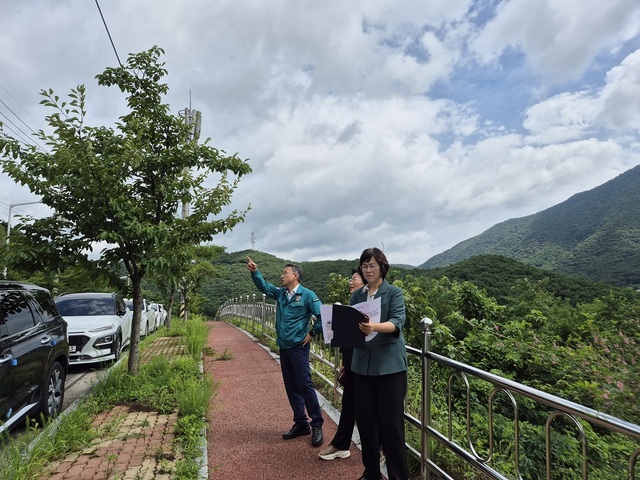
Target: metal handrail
(263, 314)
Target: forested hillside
(233, 279)
(497, 275)
(594, 234)
(570, 337)
(494, 274)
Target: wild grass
(163, 384)
(195, 336)
(26, 456)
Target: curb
(203, 471)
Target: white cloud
(559, 38)
(567, 116)
(621, 95)
(574, 115)
(339, 106)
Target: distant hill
(495, 274)
(593, 235)
(233, 279)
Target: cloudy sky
(408, 125)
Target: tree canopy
(120, 188)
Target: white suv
(147, 317)
(161, 317)
(99, 326)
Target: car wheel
(52, 394)
(117, 348)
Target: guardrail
(258, 315)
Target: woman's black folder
(344, 323)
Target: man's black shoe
(296, 431)
(316, 436)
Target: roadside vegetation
(137, 173)
(163, 385)
(551, 334)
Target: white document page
(370, 309)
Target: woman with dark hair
(381, 373)
(339, 446)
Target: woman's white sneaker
(331, 453)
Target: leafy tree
(121, 188)
(337, 289)
(192, 272)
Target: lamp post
(11, 205)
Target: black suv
(34, 353)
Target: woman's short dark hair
(379, 256)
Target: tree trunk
(170, 307)
(134, 348)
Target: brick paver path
(137, 445)
(248, 414)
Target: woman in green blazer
(381, 373)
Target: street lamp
(11, 205)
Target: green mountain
(233, 280)
(593, 235)
(494, 274)
(497, 275)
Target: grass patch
(163, 384)
(27, 457)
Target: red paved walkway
(249, 413)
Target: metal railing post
(425, 448)
(336, 369)
(247, 314)
(254, 314)
(264, 313)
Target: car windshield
(76, 307)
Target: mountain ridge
(594, 234)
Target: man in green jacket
(295, 305)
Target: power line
(28, 138)
(16, 115)
(20, 105)
(108, 33)
(4, 125)
(24, 137)
(6, 206)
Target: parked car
(34, 354)
(147, 317)
(99, 326)
(161, 317)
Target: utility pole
(193, 119)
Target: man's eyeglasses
(371, 266)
